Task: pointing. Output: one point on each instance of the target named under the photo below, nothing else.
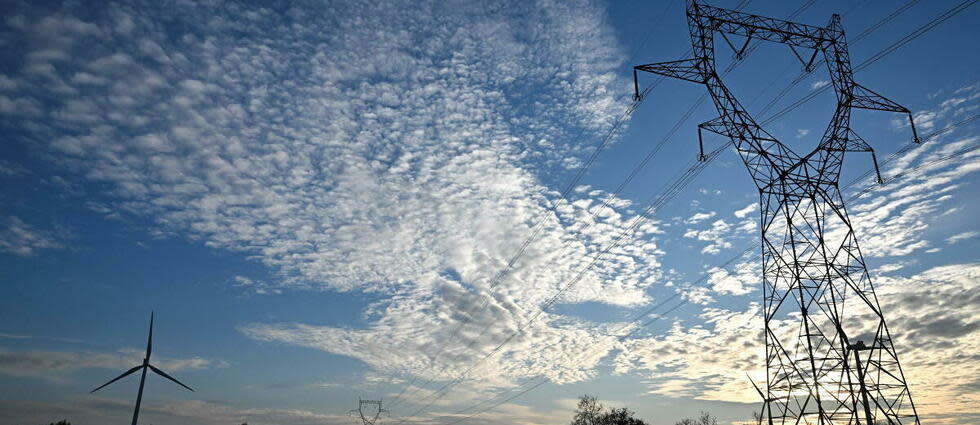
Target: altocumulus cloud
(400, 148)
(391, 147)
(21, 238)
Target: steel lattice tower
(840, 366)
(367, 417)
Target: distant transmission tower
(840, 367)
(369, 416)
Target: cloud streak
(55, 365)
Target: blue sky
(314, 197)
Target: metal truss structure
(367, 417)
(830, 358)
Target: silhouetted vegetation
(704, 419)
(61, 422)
(591, 412)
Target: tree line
(590, 412)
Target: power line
(693, 172)
(878, 56)
(908, 147)
(654, 204)
(671, 190)
(773, 82)
(905, 149)
(564, 195)
(537, 228)
(798, 262)
(806, 73)
(696, 170)
(539, 225)
(684, 179)
(918, 32)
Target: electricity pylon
(840, 366)
(367, 418)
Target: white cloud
(8, 169)
(933, 328)
(716, 236)
(745, 279)
(58, 365)
(892, 220)
(6, 83)
(802, 132)
(962, 102)
(699, 217)
(19, 106)
(697, 295)
(925, 120)
(890, 267)
(20, 238)
(819, 84)
(575, 348)
(706, 362)
(255, 286)
(396, 153)
(99, 410)
(937, 313)
(744, 212)
(937, 342)
(959, 237)
(749, 226)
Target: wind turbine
(146, 365)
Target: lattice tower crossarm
(829, 355)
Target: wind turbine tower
(143, 367)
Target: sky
(322, 201)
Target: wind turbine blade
(117, 378)
(149, 339)
(163, 374)
(756, 387)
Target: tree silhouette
(705, 419)
(622, 416)
(588, 412)
(591, 412)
